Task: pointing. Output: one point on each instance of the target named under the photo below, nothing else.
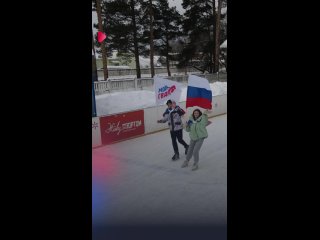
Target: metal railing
(160, 70)
(102, 87)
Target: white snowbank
(118, 67)
(117, 102)
(145, 61)
(124, 101)
(224, 44)
(223, 10)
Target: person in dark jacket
(172, 115)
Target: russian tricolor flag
(199, 92)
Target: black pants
(177, 135)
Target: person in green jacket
(196, 126)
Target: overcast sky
(178, 4)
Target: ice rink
(135, 182)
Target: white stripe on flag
(195, 81)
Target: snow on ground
(118, 67)
(145, 61)
(224, 44)
(117, 102)
(223, 10)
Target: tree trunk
(226, 61)
(94, 63)
(217, 48)
(167, 57)
(94, 78)
(151, 39)
(214, 36)
(135, 40)
(102, 45)
(210, 53)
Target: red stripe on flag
(200, 102)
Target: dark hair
(200, 113)
(169, 101)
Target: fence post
(94, 109)
(108, 85)
(135, 83)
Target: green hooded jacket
(197, 129)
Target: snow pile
(118, 102)
(224, 44)
(223, 10)
(145, 61)
(218, 88)
(124, 101)
(118, 67)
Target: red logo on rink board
(121, 126)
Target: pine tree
(103, 50)
(199, 26)
(223, 22)
(147, 19)
(167, 28)
(124, 29)
(217, 37)
(223, 34)
(151, 14)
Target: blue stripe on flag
(194, 92)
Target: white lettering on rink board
(125, 127)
